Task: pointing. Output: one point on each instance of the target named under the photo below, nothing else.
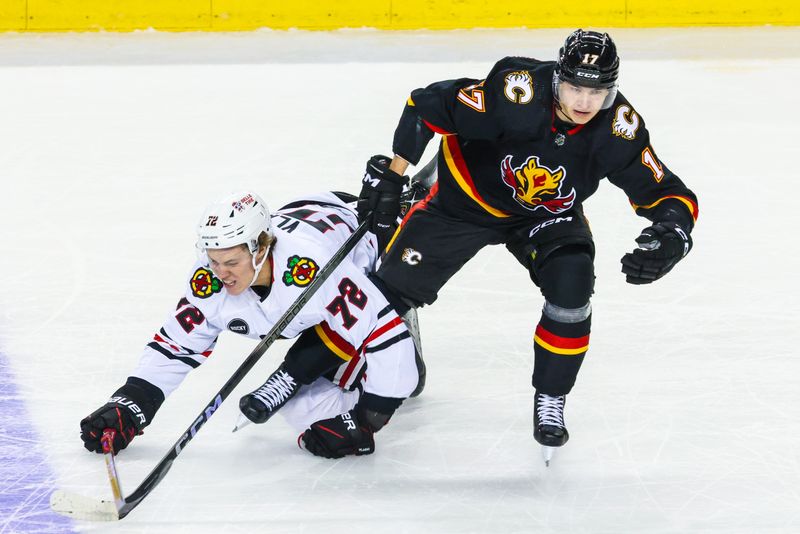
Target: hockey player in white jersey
(252, 266)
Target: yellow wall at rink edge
(232, 15)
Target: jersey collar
(554, 120)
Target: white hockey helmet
(237, 219)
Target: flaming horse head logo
(536, 186)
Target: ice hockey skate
(549, 429)
(259, 405)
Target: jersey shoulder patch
(626, 122)
(518, 87)
(297, 258)
(204, 284)
(513, 63)
(301, 271)
(514, 76)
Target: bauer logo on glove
(338, 437)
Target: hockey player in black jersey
(520, 152)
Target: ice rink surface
(685, 415)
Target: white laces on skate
(276, 390)
(551, 410)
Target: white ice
(686, 412)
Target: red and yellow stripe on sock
(565, 346)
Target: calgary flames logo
(535, 186)
(625, 123)
(519, 87)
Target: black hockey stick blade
(93, 509)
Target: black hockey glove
(126, 413)
(380, 196)
(661, 246)
(337, 437)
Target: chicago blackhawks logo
(302, 271)
(536, 186)
(204, 283)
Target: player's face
(579, 104)
(234, 266)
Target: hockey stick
(92, 509)
(427, 174)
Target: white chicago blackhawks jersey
(350, 315)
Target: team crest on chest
(204, 283)
(302, 271)
(536, 186)
(519, 87)
(625, 123)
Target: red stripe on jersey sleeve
(436, 129)
(163, 341)
(348, 372)
(382, 330)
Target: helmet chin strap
(258, 267)
(557, 103)
(564, 113)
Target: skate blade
(547, 454)
(241, 422)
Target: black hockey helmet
(588, 59)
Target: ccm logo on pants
(548, 223)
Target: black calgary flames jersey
(504, 153)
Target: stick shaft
(162, 468)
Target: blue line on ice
(26, 480)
